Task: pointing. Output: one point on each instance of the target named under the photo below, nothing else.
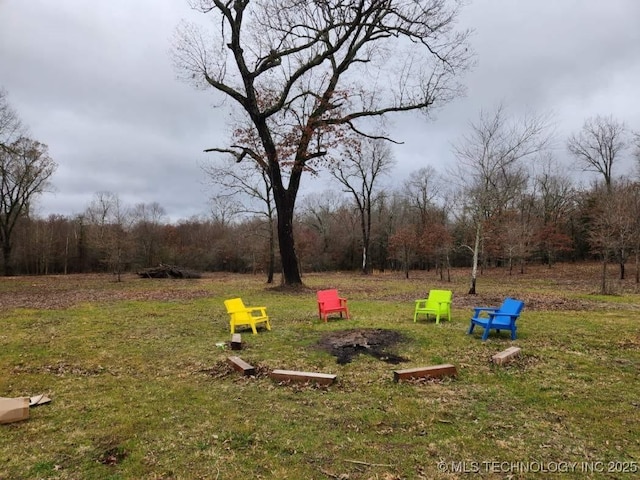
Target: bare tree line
(314, 83)
(506, 203)
(545, 219)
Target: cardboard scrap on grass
(17, 409)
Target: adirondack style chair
(241, 315)
(497, 318)
(437, 303)
(330, 302)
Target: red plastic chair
(330, 302)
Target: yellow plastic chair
(438, 303)
(241, 315)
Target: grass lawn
(140, 390)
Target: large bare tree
(599, 145)
(25, 168)
(303, 72)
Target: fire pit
(346, 344)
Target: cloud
(95, 82)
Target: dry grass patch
(140, 389)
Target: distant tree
(435, 241)
(392, 213)
(490, 168)
(201, 244)
(319, 213)
(224, 209)
(422, 189)
(601, 235)
(614, 225)
(252, 194)
(403, 245)
(311, 70)
(111, 221)
(633, 202)
(427, 195)
(47, 245)
(554, 191)
(599, 145)
(552, 242)
(513, 236)
(147, 220)
(555, 198)
(82, 260)
(360, 173)
(624, 212)
(25, 168)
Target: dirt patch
(65, 291)
(113, 456)
(347, 344)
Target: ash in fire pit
(346, 344)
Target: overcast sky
(93, 80)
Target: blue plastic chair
(497, 318)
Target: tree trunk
(272, 251)
(66, 255)
(406, 263)
(474, 269)
(272, 257)
(603, 284)
(285, 200)
(365, 225)
(448, 262)
(6, 255)
(472, 290)
(364, 260)
(290, 269)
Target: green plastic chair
(437, 303)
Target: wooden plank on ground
(294, 376)
(506, 355)
(434, 371)
(238, 364)
(236, 342)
